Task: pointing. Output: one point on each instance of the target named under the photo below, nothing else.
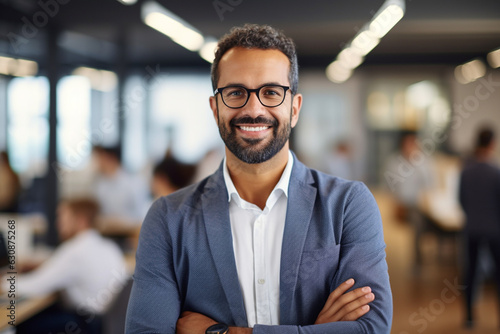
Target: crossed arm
(155, 302)
(340, 306)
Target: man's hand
(193, 323)
(342, 306)
(196, 323)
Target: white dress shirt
(89, 270)
(257, 238)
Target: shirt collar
(281, 185)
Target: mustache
(250, 120)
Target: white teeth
(253, 128)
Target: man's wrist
(217, 329)
(240, 330)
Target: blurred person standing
(409, 173)
(339, 162)
(10, 186)
(86, 268)
(480, 198)
(121, 196)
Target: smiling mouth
(253, 128)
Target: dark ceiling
(99, 32)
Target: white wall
(330, 112)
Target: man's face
(66, 221)
(255, 133)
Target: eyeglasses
(237, 96)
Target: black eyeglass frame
(249, 91)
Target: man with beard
(265, 244)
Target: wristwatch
(217, 329)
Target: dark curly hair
(264, 37)
(485, 137)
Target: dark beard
(250, 153)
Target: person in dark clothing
(480, 198)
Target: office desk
(25, 309)
(125, 233)
(443, 210)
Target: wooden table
(443, 210)
(25, 309)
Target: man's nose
(253, 107)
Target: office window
(403, 103)
(181, 119)
(74, 142)
(28, 128)
(135, 152)
(105, 119)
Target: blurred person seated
(414, 173)
(170, 175)
(86, 268)
(339, 162)
(10, 188)
(409, 173)
(479, 195)
(123, 197)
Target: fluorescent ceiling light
(473, 70)
(365, 42)
(128, 2)
(350, 57)
(207, 51)
(391, 12)
(25, 68)
(470, 72)
(6, 63)
(337, 72)
(494, 58)
(386, 18)
(458, 75)
(166, 22)
(18, 67)
(101, 80)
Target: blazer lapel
(216, 216)
(301, 197)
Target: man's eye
(271, 92)
(232, 93)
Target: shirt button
(261, 281)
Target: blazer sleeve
(154, 304)
(362, 258)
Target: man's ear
(296, 106)
(213, 106)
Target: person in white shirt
(86, 268)
(265, 244)
(409, 173)
(122, 196)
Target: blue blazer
(185, 259)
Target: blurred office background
(77, 74)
